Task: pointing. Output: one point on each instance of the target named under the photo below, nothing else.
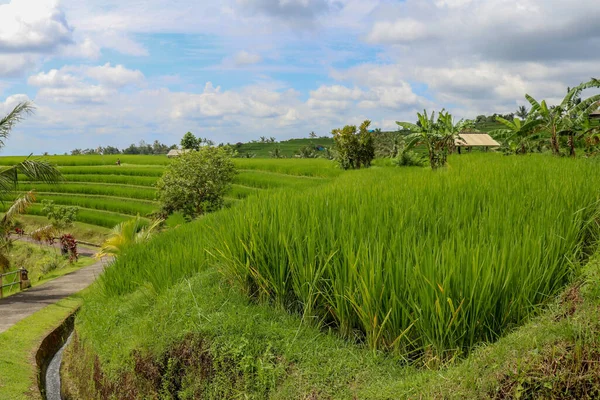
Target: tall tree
(33, 169)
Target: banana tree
(517, 130)
(565, 118)
(437, 135)
(33, 169)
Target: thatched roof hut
(471, 139)
(176, 152)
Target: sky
(108, 72)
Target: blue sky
(114, 73)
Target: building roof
(476, 140)
(176, 153)
(595, 114)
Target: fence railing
(10, 279)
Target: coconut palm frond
(126, 234)
(12, 118)
(19, 207)
(33, 169)
(40, 170)
(44, 233)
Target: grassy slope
(271, 353)
(288, 147)
(18, 373)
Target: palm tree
(565, 118)
(522, 112)
(35, 170)
(126, 234)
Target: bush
(196, 182)
(354, 149)
(409, 158)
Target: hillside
(218, 308)
(288, 147)
(107, 194)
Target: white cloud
(79, 94)
(244, 58)
(83, 84)
(10, 103)
(117, 76)
(16, 64)
(53, 78)
(400, 31)
(32, 26)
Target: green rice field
(407, 259)
(108, 194)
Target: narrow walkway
(23, 304)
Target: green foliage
(354, 148)
(61, 217)
(570, 118)
(276, 152)
(196, 182)
(189, 141)
(408, 158)
(437, 135)
(466, 251)
(126, 234)
(307, 151)
(17, 375)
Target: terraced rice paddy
(108, 194)
(408, 259)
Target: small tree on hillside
(196, 182)
(61, 217)
(189, 141)
(354, 147)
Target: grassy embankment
(371, 276)
(18, 371)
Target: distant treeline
(140, 148)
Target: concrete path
(21, 305)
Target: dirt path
(23, 304)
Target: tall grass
(266, 180)
(124, 191)
(105, 219)
(132, 170)
(94, 160)
(300, 167)
(105, 203)
(109, 178)
(416, 261)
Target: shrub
(196, 182)
(68, 247)
(60, 217)
(354, 148)
(408, 158)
